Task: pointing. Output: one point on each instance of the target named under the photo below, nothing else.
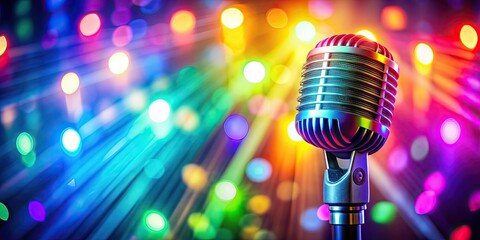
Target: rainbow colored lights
(151, 119)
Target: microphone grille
(347, 94)
(358, 41)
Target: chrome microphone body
(346, 104)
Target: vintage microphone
(346, 104)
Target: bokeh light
(187, 119)
(225, 190)
(398, 159)
(450, 131)
(259, 204)
(156, 222)
(29, 159)
(71, 141)
(3, 44)
(321, 9)
(474, 201)
(463, 232)
(292, 132)
(384, 212)
(435, 182)
(305, 31)
(310, 221)
(122, 36)
(287, 190)
(236, 127)
(183, 21)
(394, 18)
(198, 222)
(419, 148)
(24, 143)
(425, 202)
(194, 176)
(469, 36)
(423, 53)
(258, 170)
(70, 83)
(323, 213)
(37, 211)
(118, 62)
(90, 24)
(368, 34)
(277, 18)
(232, 18)
(4, 214)
(159, 111)
(254, 72)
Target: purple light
(474, 201)
(121, 16)
(122, 36)
(450, 131)
(236, 127)
(425, 202)
(398, 159)
(37, 211)
(435, 182)
(323, 213)
(310, 221)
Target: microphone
(346, 104)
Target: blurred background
(151, 119)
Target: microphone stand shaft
(342, 232)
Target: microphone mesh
(344, 75)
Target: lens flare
(225, 190)
(292, 132)
(367, 34)
(305, 31)
(90, 24)
(232, 18)
(71, 141)
(254, 72)
(70, 83)
(424, 53)
(156, 222)
(183, 21)
(118, 62)
(450, 131)
(159, 111)
(469, 36)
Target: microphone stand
(346, 191)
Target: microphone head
(347, 95)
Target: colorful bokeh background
(150, 119)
